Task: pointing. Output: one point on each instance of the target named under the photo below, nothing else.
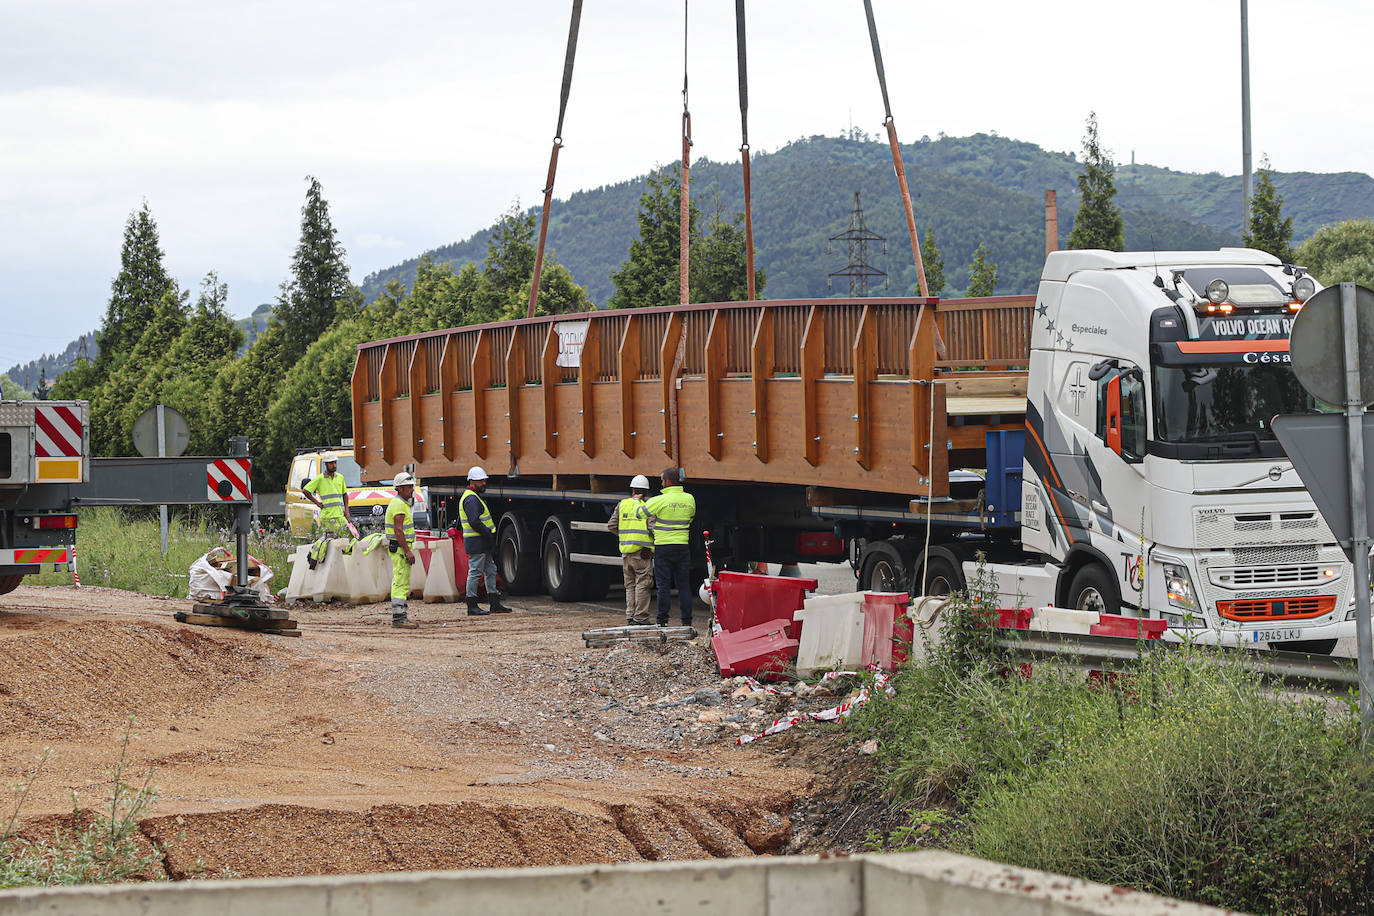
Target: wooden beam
(587, 374)
(416, 372)
(864, 357)
(549, 378)
(628, 374)
(358, 385)
(921, 366)
(386, 391)
(481, 381)
(1011, 384)
(515, 380)
(448, 384)
(715, 371)
(761, 370)
(812, 370)
(669, 367)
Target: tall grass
(1189, 776)
(122, 548)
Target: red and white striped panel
(371, 494)
(229, 480)
(58, 431)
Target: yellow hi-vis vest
(634, 526)
(673, 511)
(330, 491)
(400, 507)
(468, 530)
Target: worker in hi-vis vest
(329, 492)
(400, 530)
(670, 515)
(630, 522)
(479, 541)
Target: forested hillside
(970, 190)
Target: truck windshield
(352, 474)
(1221, 403)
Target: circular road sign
(1316, 346)
(178, 434)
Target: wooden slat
(549, 373)
(448, 386)
(1006, 385)
(761, 370)
(921, 358)
(716, 346)
(481, 381)
(515, 380)
(386, 392)
(864, 359)
(670, 368)
(358, 384)
(628, 360)
(587, 375)
(416, 372)
(812, 369)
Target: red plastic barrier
(887, 629)
(460, 562)
(744, 600)
(1015, 618)
(763, 651)
(1129, 627)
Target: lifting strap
(685, 220)
(897, 165)
(744, 147)
(553, 157)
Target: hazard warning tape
(835, 713)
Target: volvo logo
(1276, 472)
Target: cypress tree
(1269, 230)
(1098, 223)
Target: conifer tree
(651, 274)
(310, 300)
(934, 264)
(718, 266)
(982, 279)
(1098, 223)
(1269, 230)
(135, 293)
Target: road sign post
(1330, 349)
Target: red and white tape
(75, 578)
(833, 714)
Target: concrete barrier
(910, 884)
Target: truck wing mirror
(1114, 415)
(304, 481)
(1100, 369)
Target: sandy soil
(471, 742)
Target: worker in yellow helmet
(670, 515)
(400, 528)
(630, 522)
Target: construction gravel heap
(472, 742)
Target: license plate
(1280, 635)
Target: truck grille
(1252, 609)
(1268, 576)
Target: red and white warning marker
(58, 431)
(229, 480)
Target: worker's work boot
(496, 606)
(404, 623)
(475, 609)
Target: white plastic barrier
(440, 580)
(357, 577)
(1064, 620)
(369, 575)
(927, 613)
(832, 632)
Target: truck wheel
(9, 583)
(941, 578)
(1310, 646)
(520, 571)
(562, 577)
(884, 569)
(1093, 589)
(597, 582)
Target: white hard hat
(329, 458)
(640, 482)
(403, 480)
(476, 473)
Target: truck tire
(563, 579)
(941, 578)
(1309, 646)
(884, 568)
(597, 582)
(9, 583)
(519, 570)
(1094, 589)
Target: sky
(425, 120)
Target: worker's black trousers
(673, 564)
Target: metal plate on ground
(1316, 346)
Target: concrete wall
(912, 884)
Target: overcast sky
(424, 120)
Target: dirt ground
(474, 741)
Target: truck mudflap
(1275, 634)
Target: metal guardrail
(1294, 669)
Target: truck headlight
(1178, 585)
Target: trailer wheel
(563, 579)
(1310, 646)
(520, 571)
(884, 568)
(941, 578)
(9, 583)
(1093, 589)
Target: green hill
(982, 188)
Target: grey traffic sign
(1316, 346)
(1315, 443)
(177, 434)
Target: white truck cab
(1153, 481)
